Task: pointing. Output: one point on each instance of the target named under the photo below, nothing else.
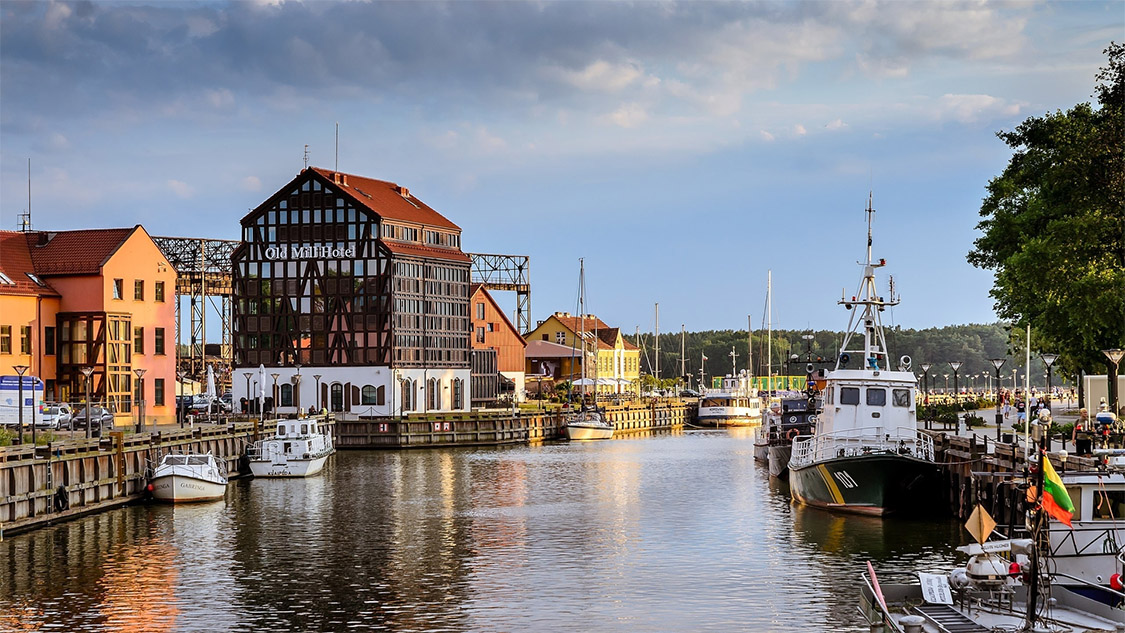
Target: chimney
(402, 191)
(336, 177)
(344, 179)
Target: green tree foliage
(1054, 225)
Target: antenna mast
(306, 155)
(337, 146)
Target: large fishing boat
(866, 454)
(734, 404)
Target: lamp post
(946, 390)
(88, 372)
(247, 375)
(926, 377)
(21, 369)
(180, 405)
(1048, 360)
(1114, 355)
(998, 363)
(297, 390)
(140, 372)
(955, 364)
(317, 377)
(273, 394)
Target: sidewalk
(989, 428)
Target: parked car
(54, 416)
(100, 419)
(689, 393)
(202, 404)
(227, 401)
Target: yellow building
(618, 360)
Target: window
(877, 397)
(158, 344)
(49, 340)
(138, 340)
(118, 288)
(560, 338)
(480, 334)
(480, 312)
(849, 395)
(158, 391)
(5, 280)
(337, 394)
(138, 289)
(1108, 504)
(491, 327)
(286, 395)
(407, 395)
(25, 339)
(159, 291)
(367, 395)
(901, 397)
(458, 393)
(5, 339)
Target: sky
(682, 149)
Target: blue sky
(683, 149)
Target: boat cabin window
(849, 395)
(829, 396)
(281, 429)
(877, 397)
(304, 429)
(712, 402)
(901, 397)
(1108, 505)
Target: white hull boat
(188, 478)
(299, 448)
(589, 429)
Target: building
(492, 330)
(350, 294)
(618, 361)
(99, 299)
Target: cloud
(766, 136)
(628, 115)
(800, 130)
(605, 76)
(974, 108)
(181, 189)
(250, 183)
(836, 124)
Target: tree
(1054, 225)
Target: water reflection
(665, 533)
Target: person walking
(1082, 445)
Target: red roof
(15, 263)
(81, 252)
(386, 199)
(419, 250)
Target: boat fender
(1115, 582)
(792, 434)
(62, 499)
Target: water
(681, 532)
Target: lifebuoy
(792, 434)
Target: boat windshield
(714, 402)
(186, 460)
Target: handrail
(1090, 584)
(812, 448)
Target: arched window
(433, 396)
(407, 395)
(286, 395)
(337, 397)
(368, 395)
(458, 393)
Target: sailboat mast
(750, 347)
(582, 320)
(656, 327)
(769, 326)
(683, 360)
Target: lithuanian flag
(1056, 501)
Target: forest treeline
(973, 345)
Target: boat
(796, 416)
(736, 403)
(866, 454)
(298, 448)
(588, 421)
(183, 478)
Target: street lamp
(88, 372)
(955, 364)
(998, 363)
(247, 398)
(1048, 360)
(946, 391)
(273, 394)
(140, 372)
(1114, 355)
(297, 390)
(317, 377)
(21, 369)
(926, 377)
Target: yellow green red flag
(1056, 501)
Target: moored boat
(182, 478)
(866, 454)
(588, 424)
(796, 416)
(734, 404)
(298, 448)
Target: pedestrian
(1081, 425)
(1021, 411)
(1007, 408)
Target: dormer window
(5, 280)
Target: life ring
(792, 434)
(62, 499)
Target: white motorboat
(588, 424)
(736, 404)
(299, 448)
(182, 478)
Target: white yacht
(735, 404)
(299, 448)
(184, 478)
(588, 422)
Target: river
(673, 532)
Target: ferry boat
(866, 454)
(735, 404)
(184, 478)
(299, 448)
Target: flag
(704, 358)
(1056, 501)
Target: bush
(973, 421)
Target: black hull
(875, 485)
(779, 460)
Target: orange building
(493, 330)
(97, 298)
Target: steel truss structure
(507, 272)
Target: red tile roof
(81, 252)
(385, 199)
(15, 263)
(419, 250)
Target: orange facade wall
(36, 312)
(497, 331)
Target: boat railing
(809, 449)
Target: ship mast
(873, 355)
